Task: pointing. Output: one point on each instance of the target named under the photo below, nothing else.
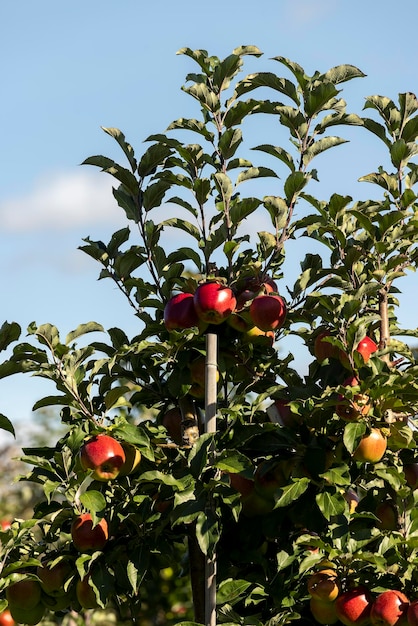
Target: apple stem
(211, 367)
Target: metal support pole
(210, 427)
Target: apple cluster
(254, 308)
(56, 585)
(357, 606)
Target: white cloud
(65, 200)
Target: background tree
(304, 472)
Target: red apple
(87, 537)
(171, 420)
(214, 302)
(104, 455)
(180, 312)
(388, 516)
(325, 350)
(412, 613)
(86, 595)
(242, 484)
(410, 471)
(353, 607)
(389, 609)
(280, 413)
(372, 447)
(268, 312)
(366, 347)
(53, 578)
(6, 618)
(352, 410)
(26, 593)
(323, 611)
(324, 585)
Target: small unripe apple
(26, 593)
(23, 615)
(104, 455)
(53, 578)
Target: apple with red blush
(390, 608)
(180, 312)
(87, 536)
(214, 302)
(353, 606)
(104, 455)
(268, 312)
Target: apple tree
(196, 446)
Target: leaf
(6, 424)
(207, 531)
(294, 185)
(126, 147)
(232, 461)
(352, 435)
(83, 329)
(121, 174)
(231, 591)
(292, 492)
(267, 79)
(154, 194)
(229, 142)
(93, 501)
(342, 73)
(154, 156)
(320, 146)
(279, 153)
(255, 172)
(193, 125)
(8, 334)
(330, 505)
(224, 186)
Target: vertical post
(210, 427)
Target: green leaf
(193, 125)
(320, 146)
(231, 591)
(317, 98)
(93, 501)
(239, 111)
(342, 73)
(279, 153)
(255, 172)
(83, 329)
(8, 334)
(229, 142)
(232, 461)
(207, 531)
(224, 186)
(154, 194)
(330, 504)
(6, 424)
(154, 156)
(121, 174)
(126, 147)
(268, 79)
(352, 435)
(292, 492)
(294, 185)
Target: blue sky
(69, 68)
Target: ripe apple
(53, 578)
(325, 350)
(268, 478)
(371, 448)
(366, 347)
(58, 603)
(280, 413)
(26, 592)
(352, 410)
(324, 585)
(387, 514)
(171, 421)
(85, 594)
(132, 459)
(389, 608)
(214, 302)
(353, 607)
(412, 613)
(323, 611)
(5, 524)
(87, 537)
(268, 312)
(180, 312)
(6, 618)
(410, 471)
(27, 616)
(242, 484)
(104, 455)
